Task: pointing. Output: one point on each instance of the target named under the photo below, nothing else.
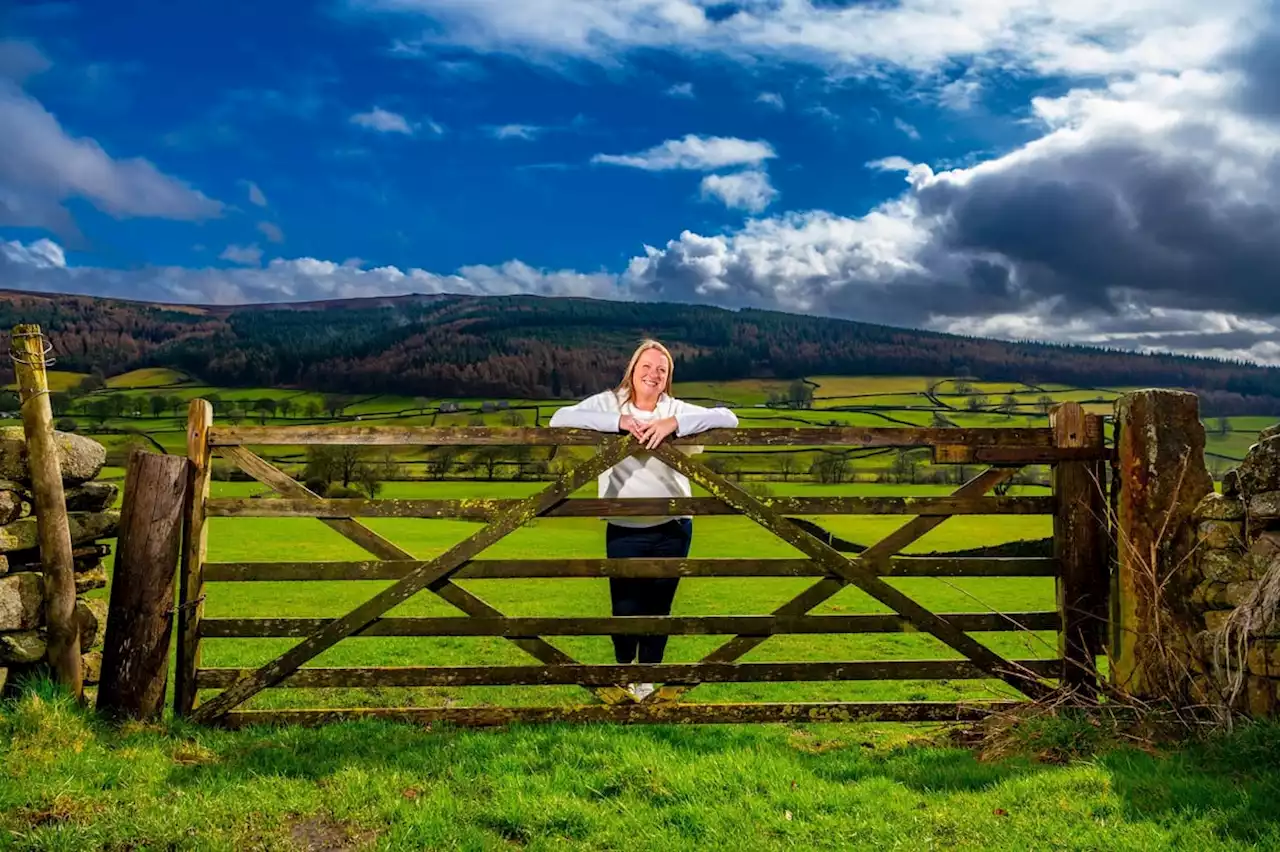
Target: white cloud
(256, 195)
(41, 267)
(42, 166)
(960, 94)
(925, 36)
(696, 153)
(748, 190)
(681, 90)
(243, 255)
(908, 129)
(527, 132)
(383, 121)
(41, 254)
(271, 231)
(772, 99)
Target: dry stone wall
(1234, 608)
(92, 521)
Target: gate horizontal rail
(610, 675)
(498, 569)
(1004, 449)
(631, 714)
(531, 436)
(703, 625)
(585, 507)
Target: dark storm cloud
(1117, 218)
(1259, 63)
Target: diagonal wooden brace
(438, 569)
(359, 534)
(856, 572)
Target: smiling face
(651, 376)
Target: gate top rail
(949, 445)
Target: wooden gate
(1074, 446)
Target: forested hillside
(524, 346)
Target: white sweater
(642, 475)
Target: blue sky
(1057, 170)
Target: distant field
(151, 377)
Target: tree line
(549, 348)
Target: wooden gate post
(194, 539)
(1160, 454)
(135, 656)
(63, 644)
(1079, 545)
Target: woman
(643, 406)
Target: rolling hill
(535, 347)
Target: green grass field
(69, 782)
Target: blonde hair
(623, 390)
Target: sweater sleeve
(594, 413)
(692, 419)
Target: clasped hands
(649, 433)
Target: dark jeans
(643, 595)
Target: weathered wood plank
(714, 625)
(53, 531)
(362, 536)
(603, 675)
(474, 436)
(439, 569)
(854, 573)
(661, 713)
(1077, 538)
(135, 654)
(194, 551)
(493, 569)
(253, 507)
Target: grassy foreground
(70, 782)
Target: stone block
(1269, 432)
(1231, 483)
(92, 617)
(12, 506)
(92, 497)
(1237, 593)
(90, 580)
(1219, 507)
(1265, 506)
(1225, 566)
(1221, 535)
(85, 527)
(1210, 594)
(4, 565)
(1260, 697)
(21, 601)
(1214, 620)
(81, 458)
(91, 667)
(1263, 657)
(25, 647)
(1260, 470)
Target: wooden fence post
(194, 539)
(1160, 454)
(135, 657)
(1079, 545)
(63, 648)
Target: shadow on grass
(1230, 781)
